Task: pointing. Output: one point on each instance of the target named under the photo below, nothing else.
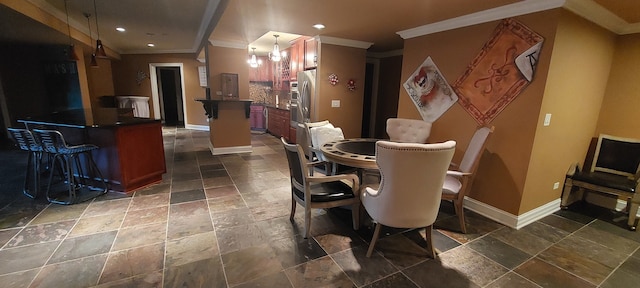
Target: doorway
(369, 102)
(167, 91)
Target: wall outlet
(335, 103)
(547, 119)
(556, 185)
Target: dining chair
(319, 191)
(322, 135)
(304, 139)
(408, 130)
(460, 178)
(25, 141)
(408, 195)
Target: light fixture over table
(275, 54)
(100, 53)
(72, 52)
(94, 62)
(254, 62)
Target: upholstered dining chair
(458, 181)
(319, 191)
(304, 139)
(408, 195)
(408, 130)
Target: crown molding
(343, 42)
(595, 13)
(502, 12)
(153, 51)
(227, 44)
(386, 54)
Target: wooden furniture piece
(409, 193)
(319, 191)
(279, 124)
(357, 152)
(458, 182)
(614, 170)
(310, 53)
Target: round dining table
(356, 152)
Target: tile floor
(222, 221)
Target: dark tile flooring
(222, 221)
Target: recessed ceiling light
(151, 45)
(121, 29)
(318, 26)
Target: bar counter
(131, 153)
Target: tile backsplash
(262, 92)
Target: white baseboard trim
(197, 127)
(508, 219)
(230, 150)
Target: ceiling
(178, 26)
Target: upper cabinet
(263, 73)
(310, 53)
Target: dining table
(354, 152)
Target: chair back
(323, 134)
(52, 141)
(24, 139)
(408, 130)
(304, 139)
(478, 143)
(297, 168)
(617, 155)
(411, 187)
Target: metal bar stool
(68, 158)
(25, 140)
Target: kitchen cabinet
(310, 53)
(262, 73)
(278, 123)
(296, 63)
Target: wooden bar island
(131, 153)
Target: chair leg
(635, 203)
(355, 214)
(32, 171)
(293, 209)
(376, 234)
(307, 222)
(428, 234)
(459, 206)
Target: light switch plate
(547, 119)
(335, 103)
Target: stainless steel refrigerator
(307, 99)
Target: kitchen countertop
(84, 118)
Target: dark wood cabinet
(262, 73)
(278, 123)
(310, 53)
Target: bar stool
(67, 160)
(25, 140)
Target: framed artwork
(500, 72)
(429, 91)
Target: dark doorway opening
(368, 99)
(170, 94)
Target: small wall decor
(351, 85)
(140, 76)
(429, 91)
(333, 79)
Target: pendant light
(72, 52)
(254, 62)
(94, 62)
(275, 54)
(100, 53)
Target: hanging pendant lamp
(72, 52)
(275, 54)
(94, 62)
(254, 62)
(100, 53)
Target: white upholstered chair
(408, 195)
(408, 130)
(458, 181)
(319, 191)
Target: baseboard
(508, 219)
(197, 127)
(230, 150)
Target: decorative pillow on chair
(323, 134)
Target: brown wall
(100, 80)
(347, 63)
(622, 97)
(580, 64)
(388, 86)
(503, 168)
(232, 128)
(126, 69)
(228, 60)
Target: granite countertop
(83, 118)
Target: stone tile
(217, 182)
(625, 276)
(496, 250)
(480, 270)
(321, 272)
(42, 233)
(97, 224)
(83, 272)
(362, 269)
(278, 279)
(339, 240)
(189, 218)
(149, 280)
(83, 246)
(575, 216)
(149, 201)
(240, 237)
(214, 174)
(132, 262)
(209, 167)
(393, 281)
(26, 257)
(107, 207)
(617, 243)
(201, 273)
(137, 236)
(223, 204)
(18, 279)
(187, 196)
(477, 226)
(232, 218)
(576, 264)
(296, 250)
(545, 231)
(271, 210)
(433, 273)
(618, 229)
(522, 240)
(547, 275)
(7, 234)
(183, 177)
(154, 189)
(56, 213)
(222, 191)
(561, 223)
(187, 185)
(280, 227)
(441, 242)
(146, 216)
(191, 248)
(401, 251)
(250, 263)
(512, 280)
(18, 215)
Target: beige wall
(347, 63)
(503, 168)
(580, 64)
(232, 128)
(228, 60)
(622, 97)
(126, 69)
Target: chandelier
(254, 62)
(275, 54)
